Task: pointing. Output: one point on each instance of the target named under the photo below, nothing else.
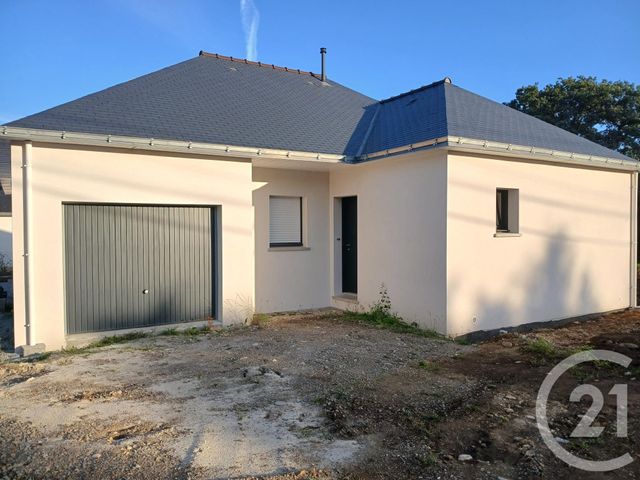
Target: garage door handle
(145, 291)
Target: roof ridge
(416, 90)
(259, 64)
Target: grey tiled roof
(442, 109)
(217, 100)
(213, 100)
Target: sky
(55, 51)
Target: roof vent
(323, 75)
(447, 80)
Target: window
(507, 220)
(285, 221)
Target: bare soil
(311, 396)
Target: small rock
(96, 455)
(509, 397)
(561, 440)
(507, 344)
(531, 417)
(631, 346)
(503, 332)
(463, 457)
(508, 410)
(30, 379)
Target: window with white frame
(285, 221)
(507, 210)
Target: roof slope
(214, 99)
(442, 109)
(472, 116)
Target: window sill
(288, 249)
(506, 234)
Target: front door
(350, 244)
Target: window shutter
(285, 221)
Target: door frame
(337, 249)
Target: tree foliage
(604, 112)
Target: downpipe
(26, 239)
(634, 241)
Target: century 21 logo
(585, 428)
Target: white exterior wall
(60, 174)
(572, 258)
(292, 278)
(6, 238)
(401, 233)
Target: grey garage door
(129, 266)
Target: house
(218, 187)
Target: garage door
(129, 266)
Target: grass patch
(38, 357)
(187, 332)
(105, 342)
(584, 447)
(260, 319)
(542, 348)
(169, 332)
(543, 351)
(428, 460)
(429, 366)
(381, 316)
(115, 339)
(391, 321)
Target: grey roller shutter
(129, 266)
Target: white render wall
(292, 278)
(62, 174)
(401, 233)
(572, 258)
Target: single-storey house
(218, 188)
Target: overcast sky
(56, 51)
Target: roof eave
(472, 145)
(161, 145)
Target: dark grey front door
(350, 244)
(129, 266)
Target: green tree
(604, 112)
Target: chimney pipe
(323, 75)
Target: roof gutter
(452, 143)
(160, 145)
(472, 145)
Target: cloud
(250, 20)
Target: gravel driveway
(262, 401)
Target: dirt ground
(311, 396)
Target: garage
(131, 266)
